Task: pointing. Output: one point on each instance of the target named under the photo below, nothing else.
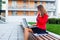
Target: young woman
(41, 19)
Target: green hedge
(53, 21)
(50, 21)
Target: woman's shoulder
(38, 14)
(46, 14)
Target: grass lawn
(55, 28)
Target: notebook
(25, 23)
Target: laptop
(25, 24)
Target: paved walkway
(11, 31)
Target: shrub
(50, 21)
(58, 21)
(53, 21)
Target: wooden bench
(33, 36)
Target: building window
(35, 13)
(49, 13)
(24, 0)
(35, 4)
(24, 6)
(24, 13)
(14, 13)
(54, 14)
(40, 3)
(50, 5)
(14, 4)
(3, 2)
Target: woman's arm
(34, 25)
(44, 19)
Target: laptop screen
(25, 24)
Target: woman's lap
(39, 31)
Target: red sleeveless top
(41, 21)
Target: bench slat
(45, 37)
(53, 37)
(42, 37)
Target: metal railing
(30, 8)
(20, 7)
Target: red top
(41, 21)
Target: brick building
(15, 10)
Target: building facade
(0, 4)
(15, 10)
(2, 11)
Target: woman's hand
(28, 29)
(34, 25)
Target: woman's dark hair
(41, 8)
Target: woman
(40, 28)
